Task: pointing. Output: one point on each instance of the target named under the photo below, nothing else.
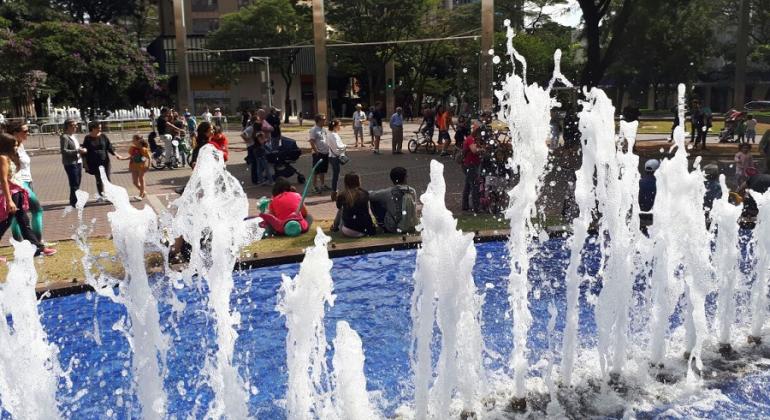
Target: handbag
(343, 159)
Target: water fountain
(488, 327)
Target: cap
(711, 169)
(651, 165)
(186, 114)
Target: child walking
(139, 162)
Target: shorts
(358, 131)
(444, 135)
(377, 131)
(324, 166)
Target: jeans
(20, 217)
(471, 188)
(750, 136)
(35, 210)
(251, 160)
(74, 176)
(335, 164)
(98, 176)
(264, 170)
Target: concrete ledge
(336, 250)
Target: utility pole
(741, 50)
(319, 42)
(390, 87)
(485, 60)
(184, 98)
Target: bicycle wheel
(430, 147)
(158, 162)
(412, 146)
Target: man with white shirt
(206, 116)
(359, 117)
(71, 152)
(320, 146)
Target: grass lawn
(66, 267)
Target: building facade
(250, 89)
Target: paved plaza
(51, 183)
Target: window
(204, 26)
(204, 5)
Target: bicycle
(421, 140)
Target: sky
(567, 14)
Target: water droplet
(491, 51)
(496, 59)
(465, 70)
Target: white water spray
(29, 365)
(762, 252)
(527, 111)
(132, 230)
(445, 293)
(725, 231)
(302, 300)
(210, 217)
(681, 249)
(616, 193)
(348, 380)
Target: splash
(348, 380)
(681, 250)
(29, 365)
(132, 231)
(302, 300)
(724, 231)
(762, 247)
(527, 111)
(210, 217)
(445, 294)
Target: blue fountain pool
(373, 294)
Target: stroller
(732, 119)
(282, 158)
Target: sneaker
(48, 252)
(99, 199)
(376, 152)
(138, 198)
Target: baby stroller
(732, 119)
(282, 158)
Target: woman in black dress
(98, 148)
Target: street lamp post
(266, 60)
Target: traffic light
(389, 84)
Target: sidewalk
(50, 181)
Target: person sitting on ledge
(395, 208)
(285, 214)
(353, 218)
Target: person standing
(648, 190)
(397, 127)
(98, 148)
(71, 152)
(751, 129)
(443, 122)
(274, 119)
(740, 130)
(377, 116)
(336, 153)
(217, 118)
(14, 199)
(191, 123)
(359, 117)
(245, 118)
(206, 116)
(743, 162)
(23, 178)
(472, 151)
(320, 146)
(139, 163)
(764, 147)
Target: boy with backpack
(395, 208)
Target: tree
(604, 29)
(376, 21)
(15, 14)
(267, 23)
(92, 11)
(93, 65)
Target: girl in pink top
(743, 161)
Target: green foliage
(106, 11)
(93, 64)
(266, 23)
